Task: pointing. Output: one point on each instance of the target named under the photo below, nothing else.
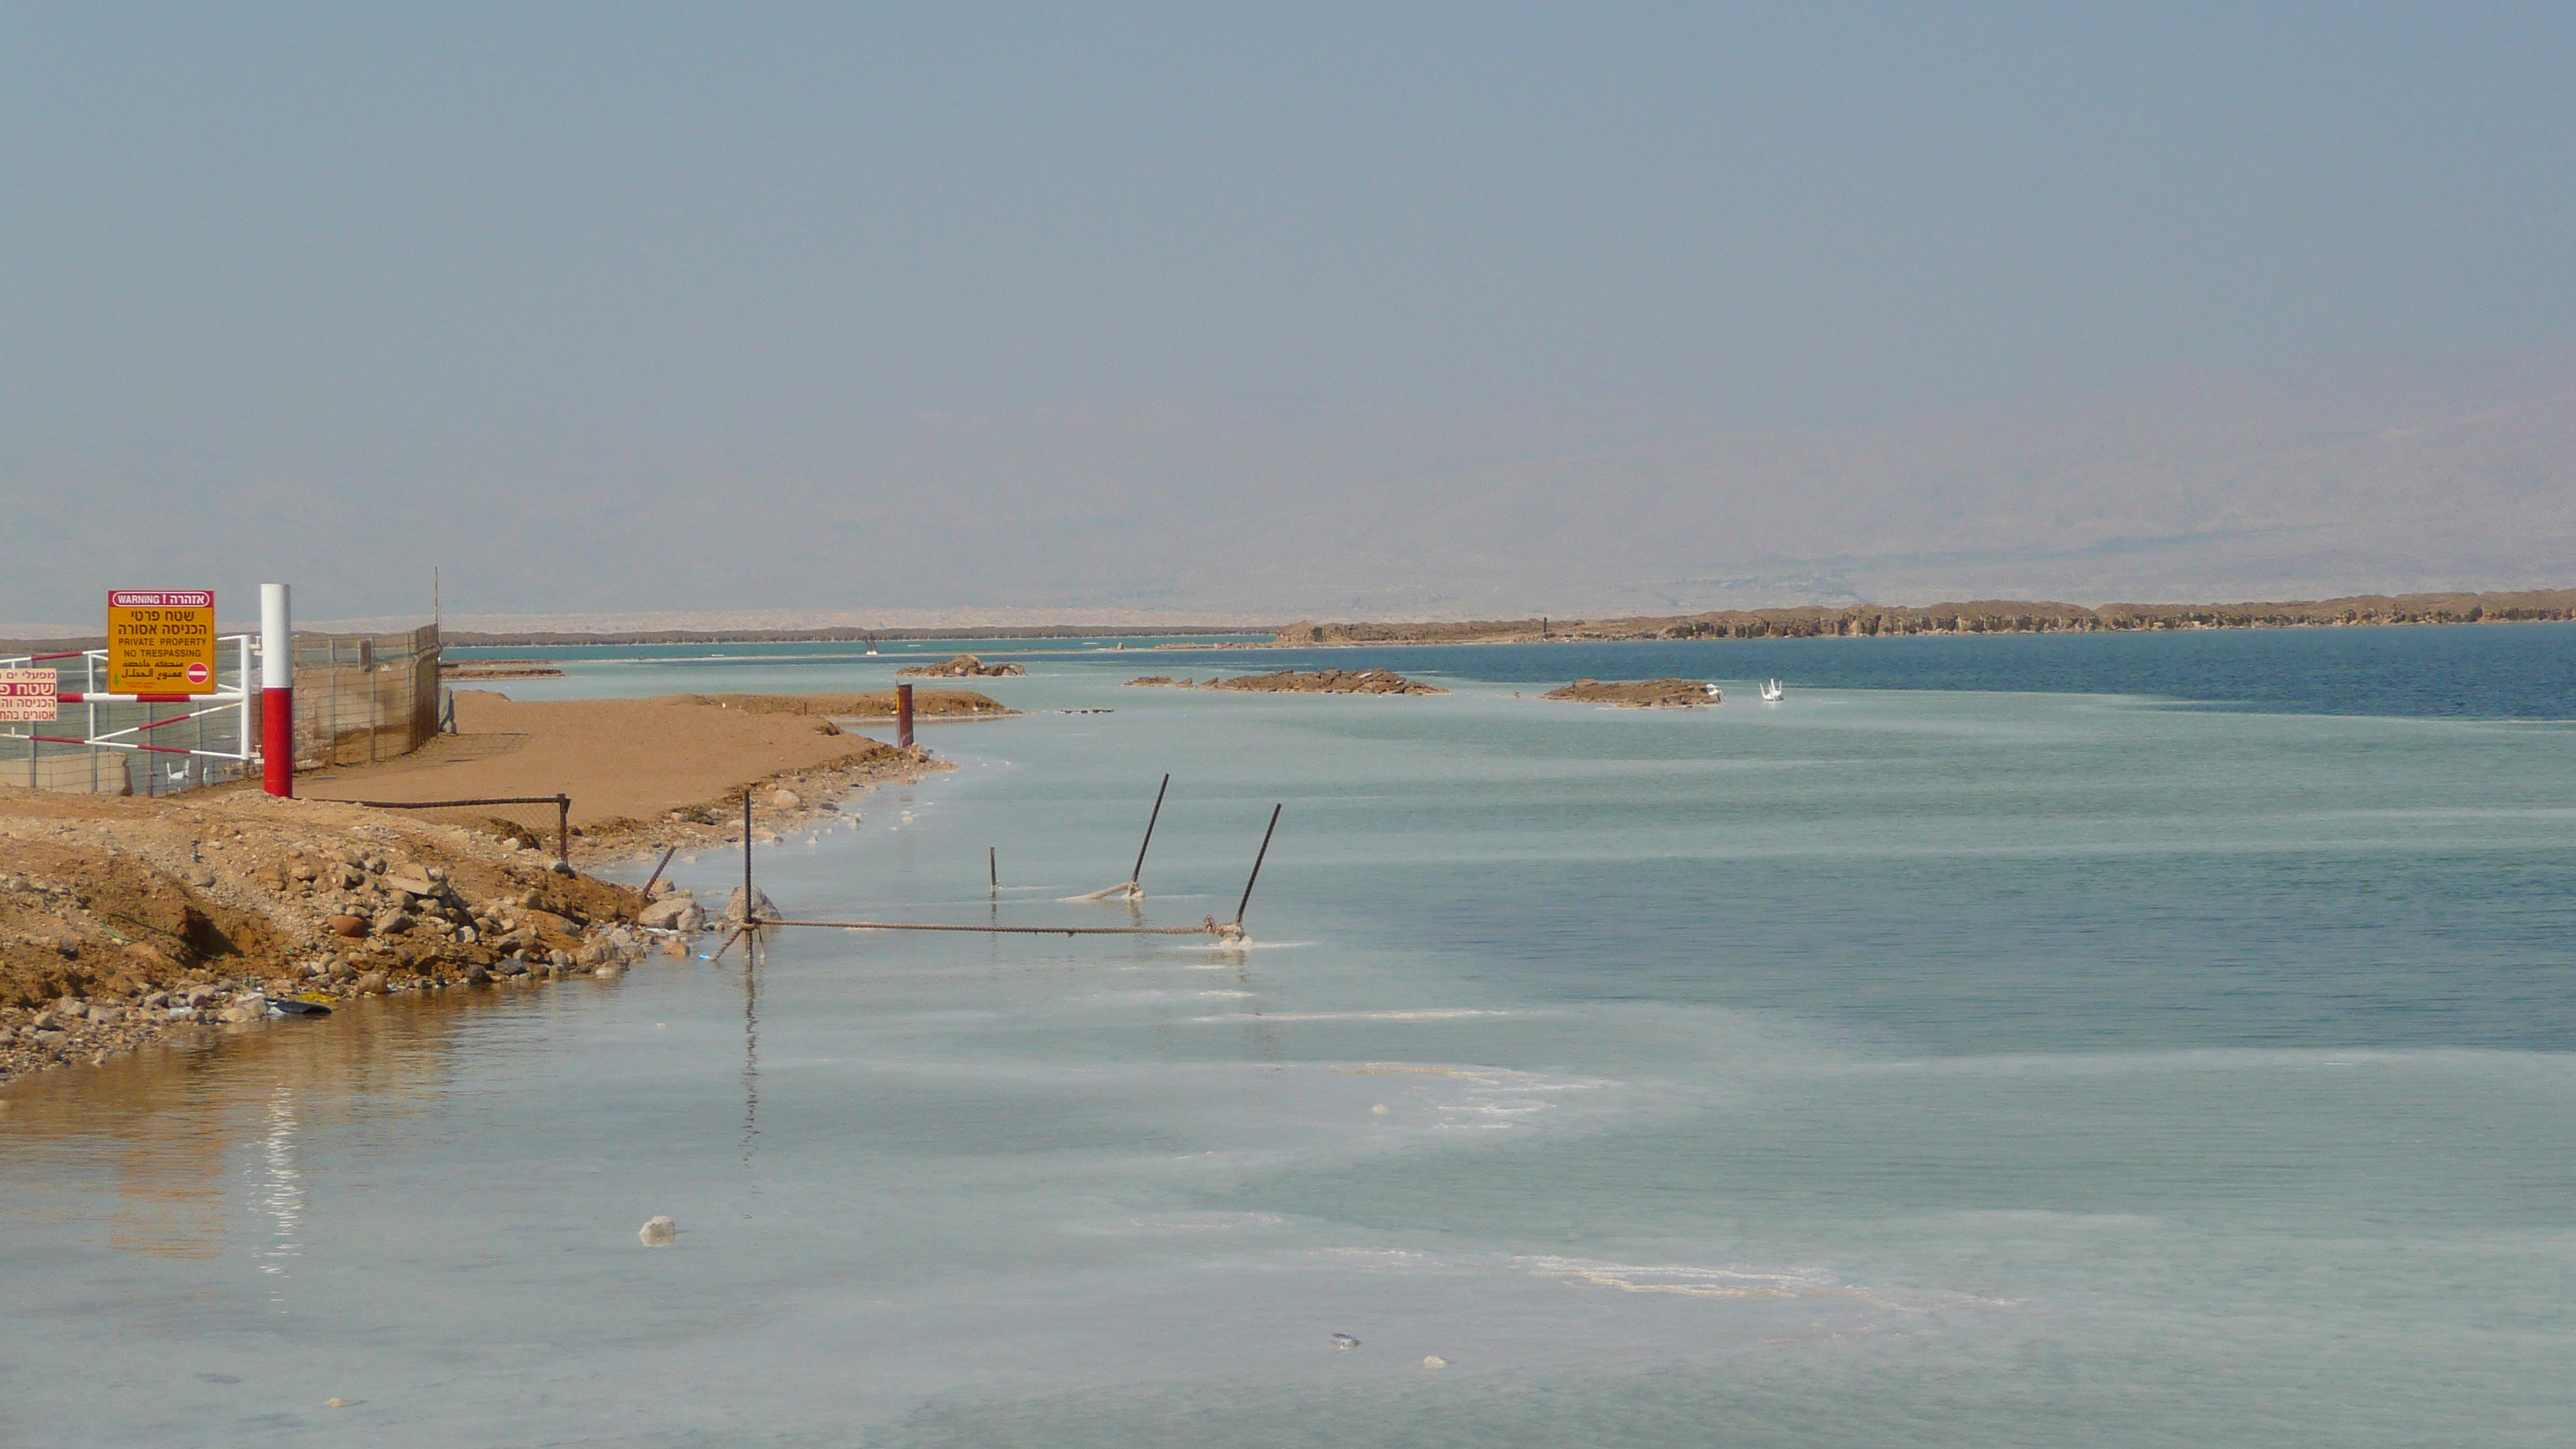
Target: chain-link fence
(359, 698)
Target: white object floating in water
(1380, 1109)
(658, 1232)
(1433, 1360)
(1345, 1342)
(335, 1403)
(1772, 692)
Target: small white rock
(658, 1232)
(1379, 1109)
(1433, 1360)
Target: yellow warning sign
(27, 694)
(160, 641)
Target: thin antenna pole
(1138, 874)
(1256, 866)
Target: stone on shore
(672, 913)
(761, 907)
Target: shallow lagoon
(1898, 1063)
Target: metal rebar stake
(1263, 855)
(1136, 877)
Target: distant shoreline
(1980, 616)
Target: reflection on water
(750, 1057)
(161, 1123)
(170, 1183)
(277, 1193)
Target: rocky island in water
(1288, 681)
(1641, 693)
(963, 666)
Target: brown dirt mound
(1639, 693)
(104, 901)
(78, 923)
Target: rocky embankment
(963, 666)
(122, 920)
(1641, 693)
(1329, 681)
(127, 921)
(1985, 616)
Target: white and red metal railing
(227, 704)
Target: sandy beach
(632, 765)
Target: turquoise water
(1896, 1064)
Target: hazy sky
(1307, 310)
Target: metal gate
(121, 737)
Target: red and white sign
(27, 694)
(160, 598)
(198, 673)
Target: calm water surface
(2055, 1040)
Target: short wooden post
(903, 716)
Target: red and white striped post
(276, 691)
